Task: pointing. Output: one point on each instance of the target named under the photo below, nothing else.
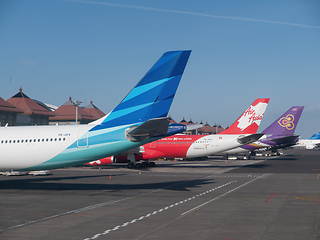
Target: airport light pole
(77, 103)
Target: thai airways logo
(287, 122)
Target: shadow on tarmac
(104, 183)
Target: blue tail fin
(315, 136)
(153, 95)
(286, 124)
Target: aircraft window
(59, 139)
(55, 139)
(26, 140)
(51, 139)
(18, 141)
(9, 141)
(42, 139)
(38, 139)
(34, 140)
(1, 141)
(47, 139)
(14, 141)
(30, 140)
(64, 139)
(6, 141)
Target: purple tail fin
(286, 124)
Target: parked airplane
(279, 134)
(141, 117)
(311, 143)
(243, 131)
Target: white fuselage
(48, 147)
(212, 144)
(307, 143)
(32, 145)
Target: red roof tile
(171, 120)
(7, 107)
(68, 112)
(94, 111)
(184, 122)
(28, 106)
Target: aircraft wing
(280, 146)
(250, 138)
(192, 127)
(288, 139)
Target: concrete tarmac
(266, 198)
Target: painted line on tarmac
(156, 212)
(90, 207)
(203, 204)
(233, 168)
(269, 197)
(85, 208)
(66, 213)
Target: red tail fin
(249, 121)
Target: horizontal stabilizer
(250, 138)
(151, 128)
(281, 146)
(285, 139)
(192, 127)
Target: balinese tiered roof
(190, 122)
(206, 129)
(184, 122)
(7, 107)
(171, 120)
(28, 106)
(68, 112)
(94, 111)
(220, 129)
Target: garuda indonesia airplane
(141, 117)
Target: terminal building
(205, 130)
(8, 113)
(20, 110)
(28, 112)
(70, 113)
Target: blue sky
(98, 50)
